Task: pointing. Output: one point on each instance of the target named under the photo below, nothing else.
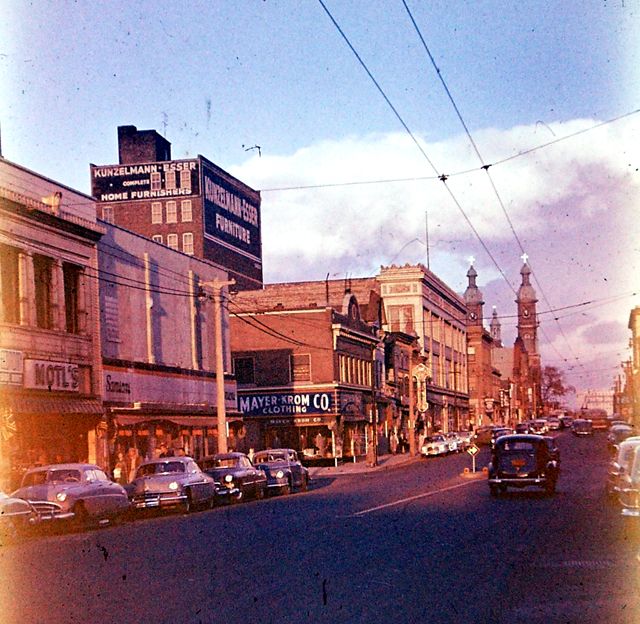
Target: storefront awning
(181, 419)
(44, 405)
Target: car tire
(260, 493)
(286, 489)
(81, 517)
(304, 486)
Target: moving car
(498, 433)
(582, 427)
(523, 460)
(620, 465)
(483, 434)
(566, 421)
(170, 483)
(16, 515)
(235, 473)
(78, 493)
(453, 440)
(434, 445)
(283, 469)
(522, 427)
(553, 423)
(538, 426)
(466, 439)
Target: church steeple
(495, 328)
(473, 298)
(527, 316)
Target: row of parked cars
(82, 494)
(445, 443)
(623, 477)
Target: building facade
(190, 205)
(158, 348)
(50, 367)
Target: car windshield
(225, 462)
(271, 457)
(160, 468)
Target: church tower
(473, 299)
(495, 328)
(527, 316)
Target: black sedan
(236, 475)
(522, 460)
(283, 469)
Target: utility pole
(216, 287)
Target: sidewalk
(361, 467)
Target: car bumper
(158, 500)
(518, 481)
(227, 493)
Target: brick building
(190, 205)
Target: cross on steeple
(524, 258)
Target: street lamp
(216, 287)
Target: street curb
(332, 471)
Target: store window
(172, 212)
(244, 369)
(42, 271)
(300, 367)
(10, 312)
(156, 212)
(186, 211)
(71, 274)
(172, 241)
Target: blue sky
(219, 77)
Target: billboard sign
(286, 404)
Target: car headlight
(228, 478)
(174, 485)
(279, 474)
(61, 496)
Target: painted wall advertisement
(231, 217)
(286, 404)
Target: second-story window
(42, 270)
(186, 211)
(170, 180)
(155, 181)
(71, 274)
(172, 241)
(156, 212)
(172, 212)
(185, 179)
(244, 369)
(9, 280)
(300, 367)
(187, 243)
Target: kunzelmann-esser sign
(138, 182)
(286, 404)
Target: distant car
(523, 460)
(498, 433)
(78, 493)
(16, 516)
(466, 439)
(522, 427)
(554, 451)
(538, 426)
(455, 445)
(553, 423)
(566, 421)
(235, 473)
(283, 469)
(482, 434)
(620, 464)
(434, 445)
(171, 483)
(629, 486)
(582, 427)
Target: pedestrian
(133, 460)
(120, 469)
(393, 442)
(163, 450)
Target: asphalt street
(416, 543)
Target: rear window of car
(229, 462)
(518, 445)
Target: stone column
(81, 310)
(26, 289)
(58, 311)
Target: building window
(172, 241)
(187, 243)
(10, 312)
(170, 180)
(42, 271)
(155, 181)
(157, 238)
(186, 211)
(401, 318)
(244, 369)
(156, 212)
(185, 179)
(300, 367)
(172, 212)
(71, 275)
(107, 214)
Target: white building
(50, 377)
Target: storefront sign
(291, 403)
(310, 421)
(45, 375)
(11, 367)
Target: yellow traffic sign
(473, 450)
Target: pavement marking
(412, 498)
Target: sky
(354, 127)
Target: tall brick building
(190, 205)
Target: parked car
(235, 473)
(171, 483)
(466, 439)
(16, 516)
(620, 464)
(78, 493)
(523, 460)
(283, 469)
(618, 433)
(582, 427)
(455, 446)
(554, 451)
(553, 423)
(434, 445)
(629, 486)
